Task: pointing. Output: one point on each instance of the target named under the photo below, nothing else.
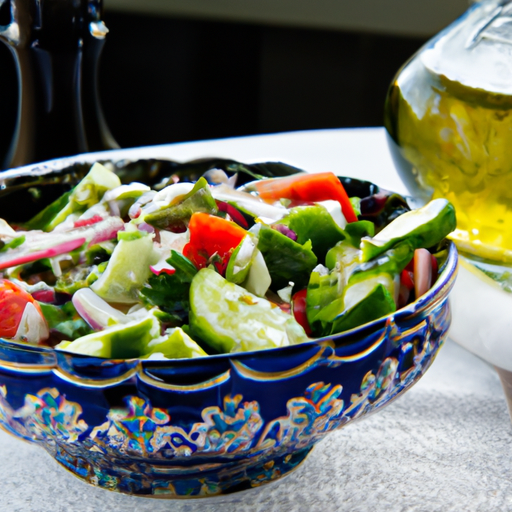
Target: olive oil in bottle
(449, 119)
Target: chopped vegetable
(121, 341)
(21, 317)
(124, 271)
(176, 215)
(424, 227)
(170, 292)
(299, 310)
(127, 269)
(422, 271)
(286, 260)
(230, 319)
(313, 223)
(176, 344)
(308, 188)
(212, 236)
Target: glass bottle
(449, 119)
(56, 45)
(448, 116)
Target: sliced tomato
(435, 268)
(407, 279)
(311, 188)
(13, 301)
(212, 236)
(299, 310)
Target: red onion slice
(422, 271)
(95, 311)
(233, 213)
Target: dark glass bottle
(56, 45)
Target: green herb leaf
(15, 242)
(170, 292)
(65, 320)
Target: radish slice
(162, 266)
(39, 245)
(422, 271)
(63, 248)
(95, 311)
(105, 230)
(88, 222)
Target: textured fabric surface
(446, 445)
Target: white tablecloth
(446, 445)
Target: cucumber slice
(230, 319)
(343, 254)
(122, 341)
(176, 345)
(360, 302)
(391, 262)
(421, 228)
(128, 268)
(375, 304)
(323, 290)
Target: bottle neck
(56, 45)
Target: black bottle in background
(56, 46)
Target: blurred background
(177, 70)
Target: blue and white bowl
(219, 424)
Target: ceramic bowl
(215, 425)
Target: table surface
(445, 445)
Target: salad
(187, 270)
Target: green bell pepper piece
(176, 216)
(314, 223)
(126, 274)
(357, 230)
(286, 260)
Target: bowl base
(153, 479)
